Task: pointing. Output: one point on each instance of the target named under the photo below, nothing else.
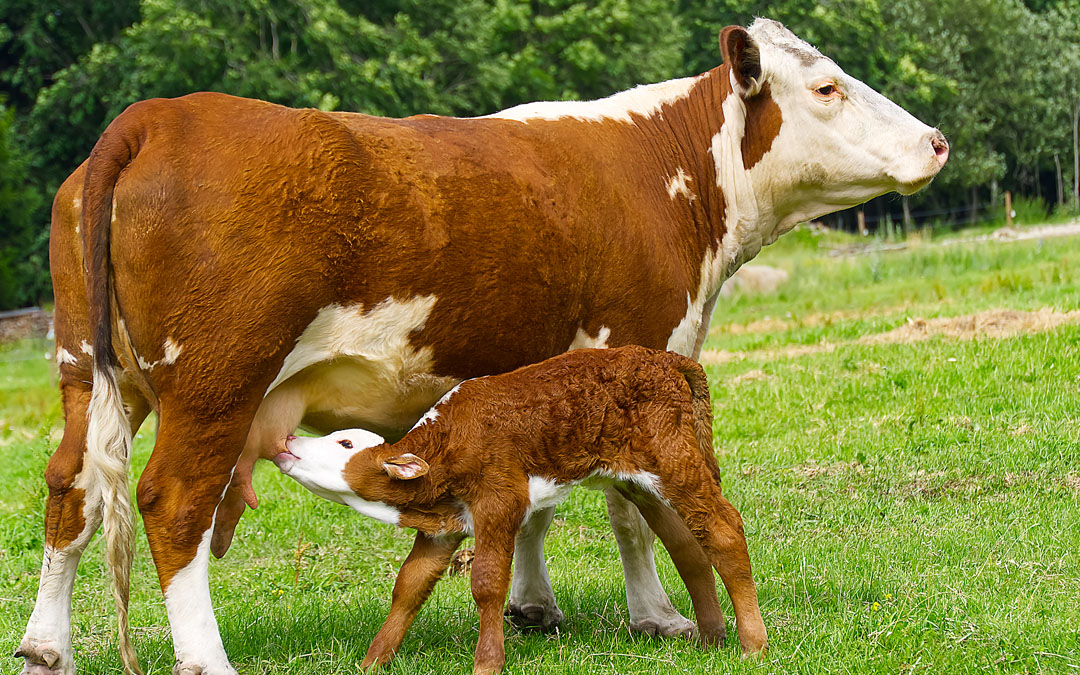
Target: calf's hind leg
(690, 560)
(718, 527)
(650, 609)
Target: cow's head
(826, 140)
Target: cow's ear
(741, 53)
(405, 467)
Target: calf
(496, 448)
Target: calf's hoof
(534, 617)
(43, 658)
(712, 636)
(675, 626)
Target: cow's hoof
(199, 669)
(534, 617)
(676, 626)
(43, 658)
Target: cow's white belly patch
(357, 368)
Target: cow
(250, 268)
(495, 448)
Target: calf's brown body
(634, 418)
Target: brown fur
(619, 411)
(226, 224)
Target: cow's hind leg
(650, 608)
(532, 601)
(690, 560)
(72, 516)
(178, 493)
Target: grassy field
(912, 503)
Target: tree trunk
(1076, 156)
(907, 214)
(1060, 184)
(974, 215)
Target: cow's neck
(713, 136)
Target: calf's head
(816, 139)
(319, 463)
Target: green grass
(909, 507)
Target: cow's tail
(108, 436)
(702, 409)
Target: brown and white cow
(251, 268)
(496, 448)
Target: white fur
(433, 413)
(355, 367)
(582, 340)
(170, 349)
(644, 101)
(86, 348)
(49, 627)
(677, 185)
(320, 467)
(64, 356)
(108, 452)
(196, 640)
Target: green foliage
(999, 77)
(23, 273)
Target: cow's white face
(840, 142)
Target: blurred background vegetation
(1001, 78)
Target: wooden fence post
(1008, 209)
(862, 222)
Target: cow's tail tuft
(108, 436)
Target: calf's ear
(405, 467)
(741, 53)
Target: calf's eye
(345, 444)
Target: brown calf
(498, 447)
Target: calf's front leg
(421, 570)
(494, 554)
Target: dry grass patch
(993, 324)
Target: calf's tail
(701, 405)
(108, 436)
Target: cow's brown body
(483, 458)
(242, 268)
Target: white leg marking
(530, 588)
(49, 627)
(650, 609)
(196, 639)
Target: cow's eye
(826, 90)
(346, 444)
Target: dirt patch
(992, 324)
(1072, 481)
(751, 376)
(24, 323)
(774, 325)
(811, 469)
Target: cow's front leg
(651, 612)
(532, 601)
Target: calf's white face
(840, 142)
(319, 463)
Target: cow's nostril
(941, 146)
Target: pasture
(910, 488)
